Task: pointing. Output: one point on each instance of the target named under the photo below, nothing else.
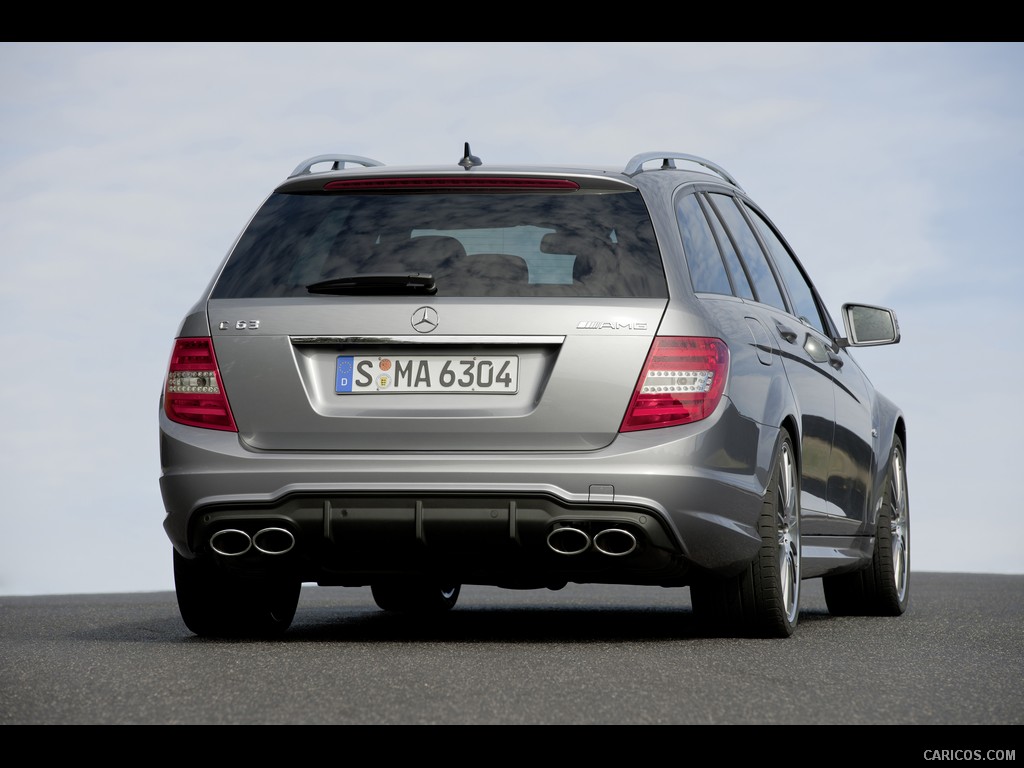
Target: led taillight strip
(193, 393)
(682, 382)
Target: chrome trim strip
(517, 340)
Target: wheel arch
(792, 425)
(769, 446)
(887, 440)
(901, 433)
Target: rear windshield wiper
(390, 283)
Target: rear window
(474, 244)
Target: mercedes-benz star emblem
(424, 319)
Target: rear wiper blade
(386, 283)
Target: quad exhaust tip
(233, 542)
(566, 540)
(614, 542)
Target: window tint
(756, 262)
(800, 292)
(474, 244)
(707, 270)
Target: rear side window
(760, 271)
(732, 259)
(474, 244)
(707, 270)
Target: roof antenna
(468, 160)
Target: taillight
(194, 394)
(682, 382)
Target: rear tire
(882, 589)
(763, 600)
(214, 604)
(415, 596)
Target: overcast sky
(127, 170)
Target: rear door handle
(785, 332)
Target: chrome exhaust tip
(568, 541)
(230, 542)
(273, 541)
(615, 542)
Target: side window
(732, 259)
(756, 262)
(800, 292)
(707, 270)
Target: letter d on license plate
(373, 374)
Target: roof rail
(636, 164)
(337, 162)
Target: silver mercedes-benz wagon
(417, 378)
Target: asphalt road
(586, 655)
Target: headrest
(430, 248)
(573, 242)
(504, 267)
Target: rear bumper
(652, 508)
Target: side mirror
(869, 326)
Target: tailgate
(416, 374)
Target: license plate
(375, 374)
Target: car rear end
(476, 375)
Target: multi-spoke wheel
(883, 588)
(763, 600)
(787, 531)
